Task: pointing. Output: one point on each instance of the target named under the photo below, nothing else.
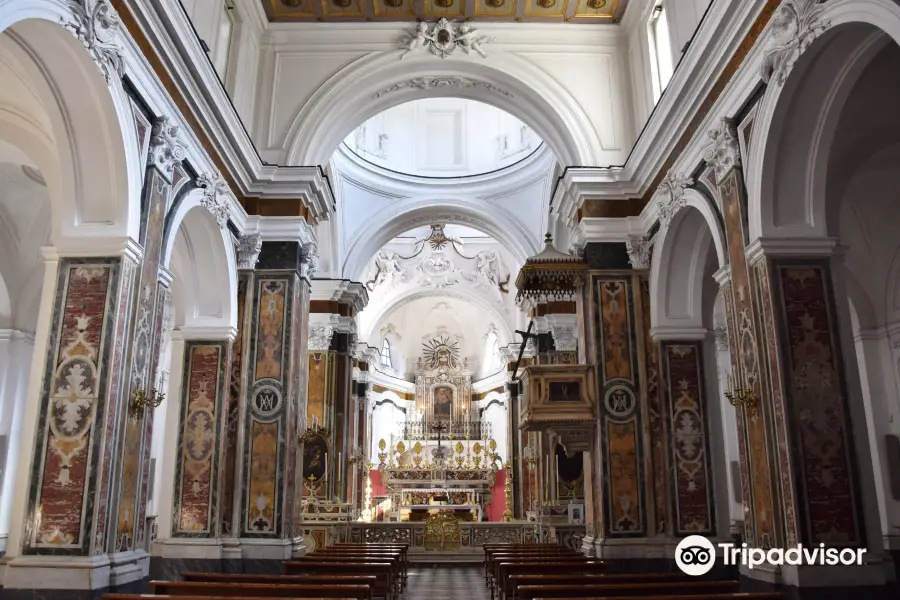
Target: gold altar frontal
(425, 513)
(442, 531)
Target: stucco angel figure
(470, 40)
(387, 267)
(488, 266)
(419, 38)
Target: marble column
(805, 477)
(191, 503)
(274, 400)
(75, 401)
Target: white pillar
(32, 404)
(170, 413)
(16, 349)
(729, 427)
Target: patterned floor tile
(446, 583)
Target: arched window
(386, 354)
(660, 49)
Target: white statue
(387, 267)
(420, 37)
(469, 40)
(487, 264)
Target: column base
(57, 573)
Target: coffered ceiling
(576, 11)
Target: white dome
(443, 137)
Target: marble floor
(446, 583)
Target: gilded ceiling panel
(575, 11)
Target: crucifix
(526, 335)
(440, 427)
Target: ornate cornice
(96, 25)
(672, 200)
(725, 152)
(166, 148)
(320, 338)
(248, 248)
(214, 197)
(795, 25)
(449, 82)
(638, 248)
(443, 38)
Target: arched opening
(826, 174)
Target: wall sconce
(741, 397)
(312, 432)
(142, 400)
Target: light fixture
(741, 397)
(141, 400)
(312, 432)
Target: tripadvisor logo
(695, 555)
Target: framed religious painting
(315, 458)
(576, 513)
(442, 403)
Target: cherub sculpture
(420, 37)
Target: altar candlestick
(340, 467)
(326, 466)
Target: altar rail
(473, 537)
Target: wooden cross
(526, 335)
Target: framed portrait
(576, 514)
(442, 405)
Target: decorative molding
(795, 25)
(429, 83)
(320, 338)
(443, 38)
(565, 339)
(96, 25)
(720, 334)
(672, 187)
(725, 152)
(638, 248)
(214, 191)
(166, 149)
(248, 248)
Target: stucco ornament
(672, 200)
(796, 24)
(214, 199)
(638, 249)
(96, 25)
(443, 38)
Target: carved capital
(565, 338)
(795, 25)
(215, 200)
(310, 264)
(725, 152)
(248, 248)
(166, 149)
(638, 249)
(96, 25)
(672, 200)
(320, 337)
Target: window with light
(661, 63)
(386, 354)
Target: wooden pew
(262, 590)
(491, 560)
(648, 590)
(375, 554)
(532, 564)
(726, 596)
(508, 589)
(156, 597)
(404, 548)
(394, 562)
(327, 579)
(383, 571)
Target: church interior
(449, 298)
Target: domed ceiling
(443, 137)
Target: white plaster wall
(684, 17)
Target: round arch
(679, 263)
(371, 85)
(819, 84)
(493, 221)
(376, 321)
(201, 256)
(94, 172)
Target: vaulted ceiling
(577, 11)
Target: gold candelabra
(313, 431)
(508, 514)
(142, 400)
(741, 397)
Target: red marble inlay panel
(199, 437)
(64, 459)
(689, 439)
(746, 366)
(815, 384)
